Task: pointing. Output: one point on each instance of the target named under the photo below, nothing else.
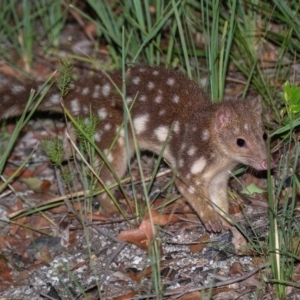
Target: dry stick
(110, 260)
(215, 285)
(47, 296)
(71, 195)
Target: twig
(110, 260)
(47, 296)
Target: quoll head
(240, 132)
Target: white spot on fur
(11, 111)
(176, 127)
(107, 126)
(102, 113)
(128, 99)
(108, 182)
(170, 81)
(122, 133)
(181, 163)
(198, 165)
(96, 92)
(140, 123)
(143, 98)
(162, 112)
(97, 136)
(158, 99)
(85, 91)
(142, 70)
(191, 190)
(176, 98)
(106, 89)
(75, 105)
(16, 89)
(136, 80)
(205, 135)
(54, 99)
(155, 72)
(150, 85)
(246, 126)
(121, 141)
(161, 133)
(85, 109)
(117, 129)
(110, 157)
(192, 150)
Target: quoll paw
(213, 222)
(107, 205)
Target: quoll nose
(264, 164)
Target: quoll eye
(265, 136)
(241, 142)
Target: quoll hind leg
(198, 198)
(117, 158)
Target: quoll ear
(255, 105)
(223, 116)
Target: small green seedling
(291, 97)
(252, 189)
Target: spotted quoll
(203, 141)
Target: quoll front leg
(198, 197)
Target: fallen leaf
(37, 185)
(252, 189)
(134, 236)
(234, 208)
(40, 168)
(129, 295)
(191, 296)
(253, 281)
(44, 256)
(16, 225)
(18, 205)
(143, 235)
(202, 243)
(296, 276)
(159, 218)
(5, 271)
(236, 268)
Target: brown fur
(205, 144)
